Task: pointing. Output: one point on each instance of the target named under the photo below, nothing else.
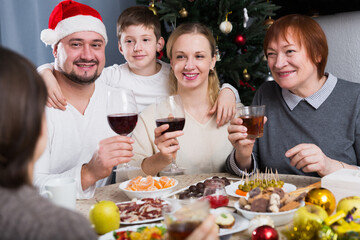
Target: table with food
(264, 206)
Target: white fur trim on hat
(79, 23)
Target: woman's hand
(225, 106)
(242, 144)
(208, 230)
(167, 142)
(56, 98)
(310, 158)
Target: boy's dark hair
(138, 15)
(23, 97)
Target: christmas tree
(239, 26)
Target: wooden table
(113, 193)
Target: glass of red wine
(170, 110)
(122, 114)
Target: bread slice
(225, 220)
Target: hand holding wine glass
(122, 111)
(170, 110)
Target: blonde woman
(201, 147)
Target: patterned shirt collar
(314, 100)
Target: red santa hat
(69, 17)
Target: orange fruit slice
(157, 184)
(163, 180)
(152, 188)
(170, 183)
(145, 183)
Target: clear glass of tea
(183, 216)
(253, 119)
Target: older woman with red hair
(313, 118)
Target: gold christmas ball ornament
(183, 13)
(268, 22)
(226, 27)
(246, 75)
(323, 198)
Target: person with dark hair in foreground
(24, 214)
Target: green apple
(104, 216)
(309, 213)
(347, 203)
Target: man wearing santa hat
(81, 144)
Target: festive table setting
(282, 225)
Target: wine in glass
(170, 110)
(122, 114)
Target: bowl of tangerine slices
(148, 187)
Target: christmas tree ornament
(308, 231)
(321, 197)
(240, 40)
(246, 17)
(268, 22)
(217, 54)
(152, 7)
(265, 233)
(183, 13)
(246, 75)
(226, 26)
(269, 77)
(191, 0)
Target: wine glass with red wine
(122, 114)
(170, 110)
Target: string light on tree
(226, 26)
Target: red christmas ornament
(240, 40)
(265, 232)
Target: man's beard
(82, 80)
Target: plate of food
(148, 187)
(196, 190)
(233, 189)
(273, 202)
(136, 232)
(228, 221)
(141, 211)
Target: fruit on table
(197, 190)
(309, 213)
(148, 183)
(346, 204)
(104, 216)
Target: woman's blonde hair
(198, 28)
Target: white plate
(280, 218)
(147, 194)
(142, 221)
(110, 235)
(230, 189)
(241, 223)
